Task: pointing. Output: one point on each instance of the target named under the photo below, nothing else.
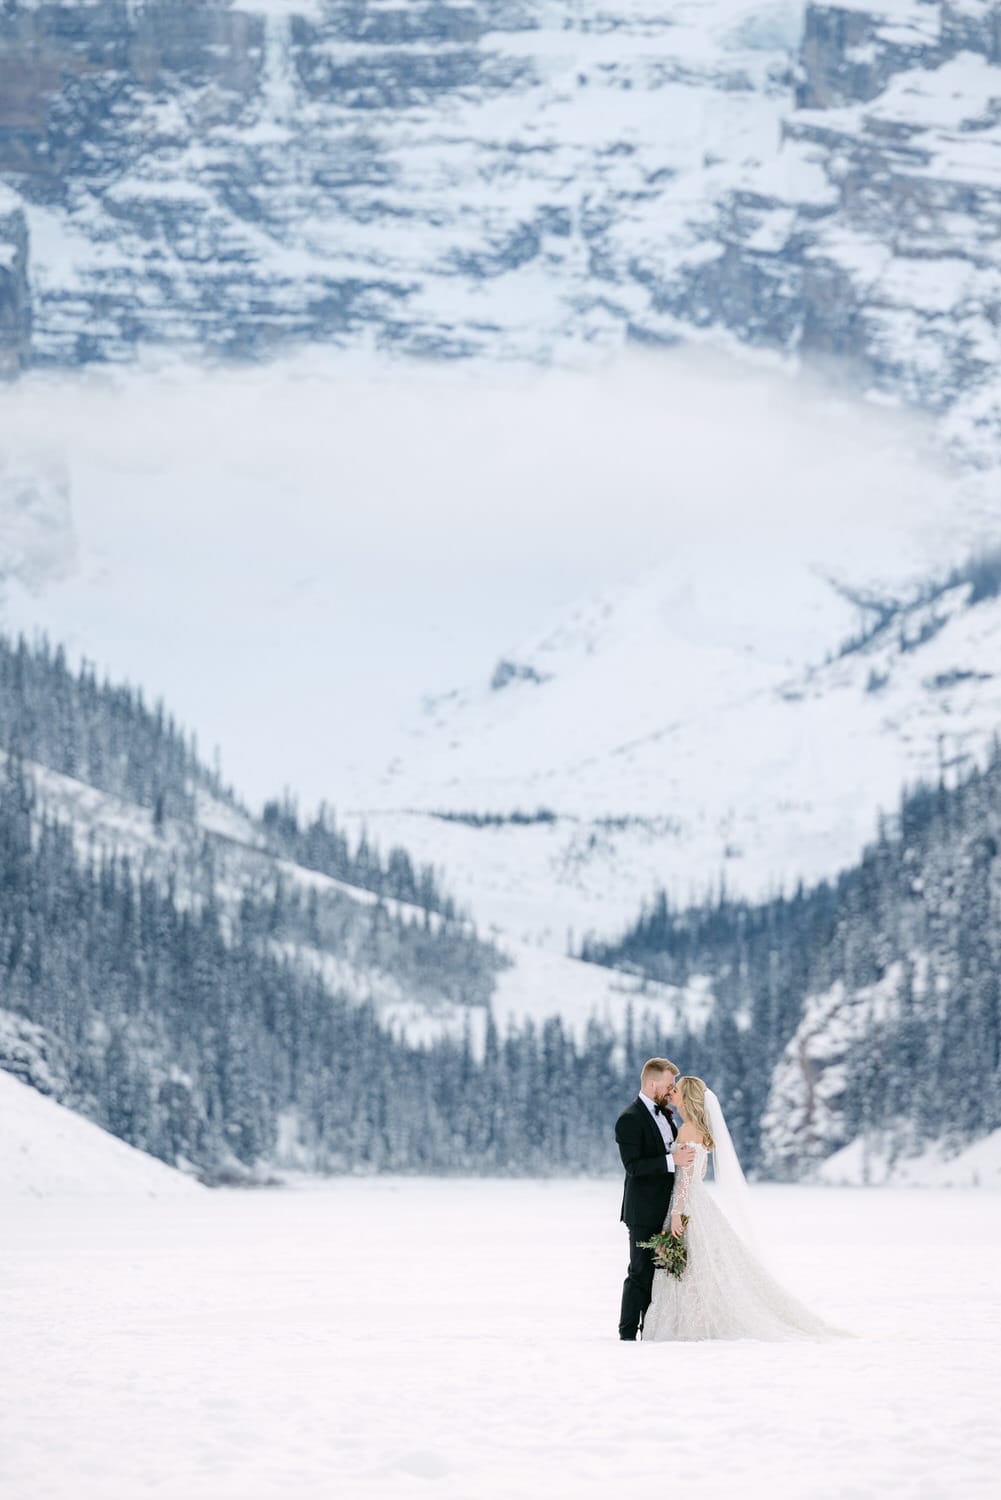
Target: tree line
(105, 734)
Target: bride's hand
(677, 1228)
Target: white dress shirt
(664, 1126)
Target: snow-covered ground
(46, 1151)
(377, 1338)
(978, 1165)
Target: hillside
(737, 717)
(183, 981)
(857, 1023)
(49, 1151)
(197, 982)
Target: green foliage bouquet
(670, 1252)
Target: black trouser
(637, 1289)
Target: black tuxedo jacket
(649, 1181)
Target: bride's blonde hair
(693, 1107)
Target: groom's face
(665, 1088)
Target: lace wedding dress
(725, 1292)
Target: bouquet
(670, 1253)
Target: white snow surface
(863, 1162)
(376, 1338)
(48, 1151)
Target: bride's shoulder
(689, 1136)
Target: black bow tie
(662, 1109)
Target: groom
(644, 1133)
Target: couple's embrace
(723, 1291)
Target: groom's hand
(683, 1156)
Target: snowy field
(456, 1339)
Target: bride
(725, 1291)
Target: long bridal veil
(732, 1193)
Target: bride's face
(673, 1097)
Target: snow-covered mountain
(817, 186)
(488, 177)
(530, 984)
(793, 993)
(742, 711)
(737, 717)
(506, 182)
(157, 943)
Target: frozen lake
(458, 1339)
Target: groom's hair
(658, 1065)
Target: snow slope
(47, 1151)
(870, 1162)
(726, 718)
(535, 984)
(223, 1351)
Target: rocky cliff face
(494, 178)
(15, 302)
(870, 241)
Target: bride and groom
(725, 1291)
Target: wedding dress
(725, 1291)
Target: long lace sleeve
(682, 1198)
